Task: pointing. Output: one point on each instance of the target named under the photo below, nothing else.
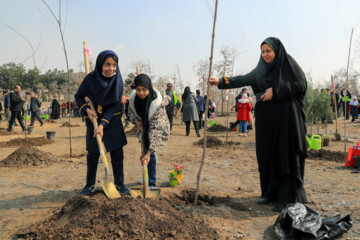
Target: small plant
(178, 169)
(173, 178)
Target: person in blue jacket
(104, 87)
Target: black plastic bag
(298, 221)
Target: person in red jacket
(243, 114)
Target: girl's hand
(214, 81)
(267, 96)
(91, 114)
(139, 124)
(99, 130)
(146, 159)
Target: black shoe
(87, 190)
(15, 124)
(263, 201)
(279, 208)
(187, 134)
(31, 125)
(10, 130)
(41, 124)
(123, 190)
(198, 134)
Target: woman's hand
(145, 159)
(267, 96)
(139, 124)
(99, 130)
(214, 81)
(91, 114)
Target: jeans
(117, 157)
(243, 126)
(152, 170)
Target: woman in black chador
(280, 86)
(104, 87)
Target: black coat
(15, 102)
(35, 104)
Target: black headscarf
(142, 106)
(186, 93)
(283, 74)
(104, 90)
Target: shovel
(108, 187)
(145, 191)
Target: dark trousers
(117, 157)
(187, 124)
(152, 170)
(354, 113)
(201, 122)
(16, 115)
(36, 115)
(170, 115)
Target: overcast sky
(170, 32)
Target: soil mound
(215, 142)
(218, 128)
(132, 131)
(28, 156)
(328, 155)
(38, 141)
(66, 124)
(97, 217)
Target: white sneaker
(152, 187)
(141, 181)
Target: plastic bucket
(50, 135)
(315, 142)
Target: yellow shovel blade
(109, 189)
(139, 192)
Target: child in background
(243, 114)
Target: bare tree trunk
(207, 106)
(346, 88)
(58, 21)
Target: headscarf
(142, 106)
(186, 93)
(283, 74)
(104, 90)
(354, 101)
(244, 98)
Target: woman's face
(142, 92)
(109, 67)
(267, 53)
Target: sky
(171, 33)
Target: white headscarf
(354, 101)
(244, 99)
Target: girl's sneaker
(245, 135)
(240, 134)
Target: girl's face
(267, 53)
(142, 92)
(109, 67)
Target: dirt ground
(35, 195)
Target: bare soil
(97, 217)
(132, 131)
(5, 132)
(328, 155)
(66, 124)
(46, 196)
(27, 156)
(38, 141)
(218, 128)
